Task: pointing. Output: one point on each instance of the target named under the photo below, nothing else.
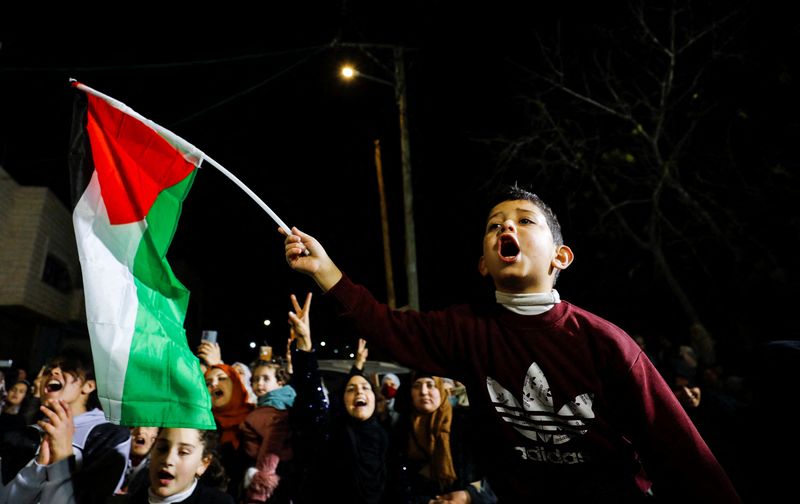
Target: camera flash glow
(321, 343)
(267, 322)
(252, 344)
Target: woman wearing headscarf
(343, 453)
(431, 456)
(230, 408)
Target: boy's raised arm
(315, 264)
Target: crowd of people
(529, 399)
(377, 442)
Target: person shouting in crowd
(571, 408)
(81, 456)
(344, 453)
(230, 408)
(142, 439)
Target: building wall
(33, 225)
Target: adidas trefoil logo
(536, 418)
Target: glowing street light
(349, 72)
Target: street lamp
(399, 86)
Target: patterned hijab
(429, 438)
(232, 414)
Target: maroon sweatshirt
(570, 407)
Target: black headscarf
(364, 444)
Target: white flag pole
(190, 152)
(250, 193)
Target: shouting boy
(82, 457)
(573, 409)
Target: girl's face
(425, 395)
(264, 380)
(17, 394)
(359, 399)
(220, 387)
(177, 458)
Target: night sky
(259, 93)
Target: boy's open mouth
(54, 386)
(508, 248)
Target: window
(56, 274)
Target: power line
(156, 66)
(251, 88)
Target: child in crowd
(266, 435)
(184, 468)
(571, 408)
(81, 456)
(142, 440)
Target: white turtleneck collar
(528, 304)
(178, 497)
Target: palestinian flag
(129, 178)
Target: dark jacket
(342, 460)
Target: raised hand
(210, 353)
(316, 263)
(59, 430)
(37, 383)
(299, 321)
(289, 368)
(361, 354)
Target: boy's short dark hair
(516, 192)
(75, 361)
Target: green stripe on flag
(164, 385)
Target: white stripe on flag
(106, 254)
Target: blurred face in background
(17, 394)
(220, 387)
(425, 395)
(142, 439)
(359, 399)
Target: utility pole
(399, 86)
(387, 248)
(408, 191)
